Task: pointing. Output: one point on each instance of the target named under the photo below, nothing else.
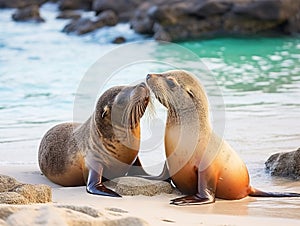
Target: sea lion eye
(171, 82)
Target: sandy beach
(157, 211)
(259, 77)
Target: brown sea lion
(201, 164)
(103, 147)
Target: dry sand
(157, 211)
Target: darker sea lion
(105, 146)
(201, 164)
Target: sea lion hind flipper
(205, 194)
(94, 184)
(257, 193)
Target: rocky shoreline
(172, 20)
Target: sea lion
(103, 147)
(202, 165)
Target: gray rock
(124, 9)
(141, 21)
(108, 18)
(20, 3)
(79, 26)
(139, 186)
(29, 13)
(293, 25)
(119, 40)
(86, 25)
(284, 164)
(210, 8)
(75, 4)
(14, 192)
(69, 14)
(175, 20)
(279, 10)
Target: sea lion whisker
(133, 117)
(126, 117)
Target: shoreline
(164, 21)
(157, 211)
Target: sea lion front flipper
(206, 191)
(94, 183)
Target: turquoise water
(41, 69)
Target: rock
(268, 9)
(39, 193)
(86, 25)
(12, 198)
(139, 186)
(284, 164)
(68, 14)
(52, 215)
(141, 22)
(293, 25)
(119, 40)
(14, 192)
(175, 20)
(109, 18)
(75, 4)
(20, 3)
(124, 9)
(30, 13)
(210, 8)
(7, 183)
(79, 26)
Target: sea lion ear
(190, 92)
(105, 111)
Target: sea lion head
(180, 92)
(121, 108)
